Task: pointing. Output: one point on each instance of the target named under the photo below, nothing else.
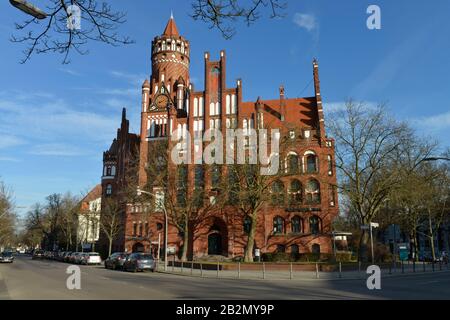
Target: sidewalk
(264, 274)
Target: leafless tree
(222, 14)
(111, 221)
(187, 206)
(7, 215)
(69, 219)
(99, 23)
(366, 142)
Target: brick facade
(301, 223)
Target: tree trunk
(363, 246)
(110, 246)
(248, 257)
(430, 226)
(185, 247)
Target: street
(42, 279)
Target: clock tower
(167, 89)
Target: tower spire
(171, 28)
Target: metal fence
(291, 271)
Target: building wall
(299, 120)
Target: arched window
(296, 224)
(311, 163)
(134, 229)
(113, 170)
(295, 249)
(313, 192)
(277, 191)
(295, 192)
(315, 225)
(281, 248)
(109, 190)
(247, 224)
(292, 164)
(278, 225)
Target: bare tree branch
(99, 23)
(221, 14)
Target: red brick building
(299, 221)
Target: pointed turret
(171, 28)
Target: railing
(296, 270)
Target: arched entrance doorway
(215, 244)
(138, 247)
(218, 238)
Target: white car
(90, 258)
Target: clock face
(162, 101)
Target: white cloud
(7, 141)
(56, 149)
(70, 71)
(306, 21)
(54, 119)
(435, 122)
(9, 159)
(134, 79)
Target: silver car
(139, 262)
(6, 257)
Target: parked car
(90, 258)
(139, 262)
(6, 257)
(116, 260)
(67, 256)
(72, 257)
(38, 254)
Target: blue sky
(56, 120)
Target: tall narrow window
(182, 185)
(215, 176)
(278, 225)
(296, 225)
(331, 196)
(330, 166)
(277, 193)
(313, 192)
(311, 163)
(295, 192)
(315, 225)
(109, 190)
(292, 164)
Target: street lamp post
(139, 192)
(28, 8)
(372, 225)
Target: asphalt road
(41, 279)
